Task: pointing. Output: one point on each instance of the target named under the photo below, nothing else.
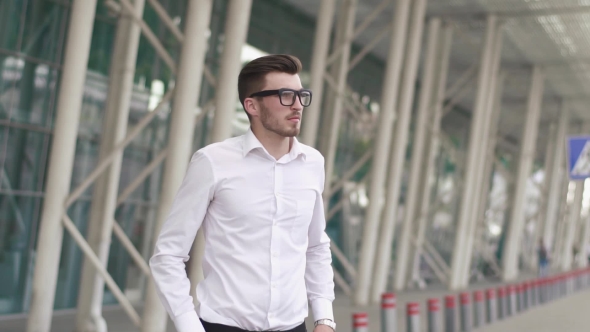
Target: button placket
(274, 247)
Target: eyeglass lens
(288, 97)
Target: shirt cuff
(188, 322)
(322, 309)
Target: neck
(276, 145)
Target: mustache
(298, 114)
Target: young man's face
(275, 117)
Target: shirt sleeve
(319, 277)
(175, 241)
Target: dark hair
(253, 76)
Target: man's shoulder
(311, 153)
(223, 150)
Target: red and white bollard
(546, 283)
(511, 299)
(465, 311)
(562, 286)
(501, 302)
(388, 313)
(537, 292)
(413, 317)
(491, 306)
(434, 316)
(360, 322)
(479, 317)
(519, 298)
(525, 295)
(450, 325)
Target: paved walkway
(569, 314)
(565, 315)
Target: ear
(251, 106)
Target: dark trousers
(213, 327)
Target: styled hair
(253, 76)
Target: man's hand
(323, 328)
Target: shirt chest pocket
(300, 226)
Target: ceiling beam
(516, 14)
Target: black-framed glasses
(287, 96)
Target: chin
(290, 132)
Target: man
(258, 198)
(543, 259)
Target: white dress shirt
(266, 250)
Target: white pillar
(475, 138)
(226, 91)
(525, 163)
(104, 198)
(236, 31)
(583, 257)
(531, 255)
(547, 178)
(561, 221)
(399, 153)
(433, 132)
(318, 68)
(61, 162)
(555, 188)
(340, 41)
(572, 228)
(487, 172)
(333, 126)
(389, 96)
(186, 96)
(481, 187)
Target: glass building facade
(32, 38)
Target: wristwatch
(325, 321)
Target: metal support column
(341, 73)
(488, 160)
(572, 228)
(188, 82)
(399, 151)
(556, 178)
(531, 256)
(582, 260)
(561, 220)
(475, 138)
(525, 163)
(318, 67)
(432, 149)
(61, 162)
(491, 101)
(226, 92)
(389, 101)
(547, 178)
(104, 198)
(236, 31)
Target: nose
(297, 106)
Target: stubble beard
(273, 124)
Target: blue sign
(578, 157)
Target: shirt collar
(252, 143)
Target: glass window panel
(12, 14)
(27, 92)
(17, 216)
(23, 159)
